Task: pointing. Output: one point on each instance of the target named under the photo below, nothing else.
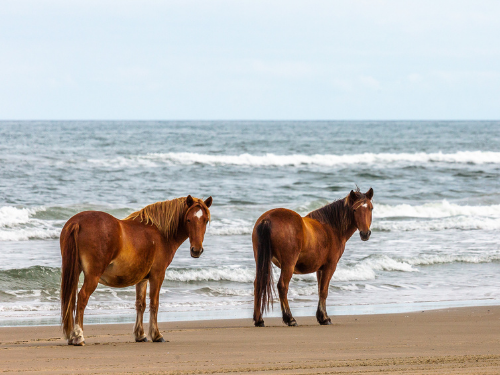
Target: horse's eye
(189, 221)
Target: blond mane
(164, 215)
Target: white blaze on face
(365, 205)
(199, 214)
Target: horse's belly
(301, 269)
(120, 277)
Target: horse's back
(94, 224)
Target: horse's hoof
(326, 322)
(161, 339)
(144, 339)
(292, 323)
(82, 343)
(260, 324)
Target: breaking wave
(42, 223)
(295, 160)
(365, 269)
(435, 217)
(457, 223)
(226, 227)
(434, 210)
(19, 224)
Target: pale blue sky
(327, 60)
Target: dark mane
(339, 214)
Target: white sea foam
(25, 234)
(30, 307)
(435, 216)
(23, 293)
(273, 160)
(241, 275)
(19, 224)
(365, 270)
(230, 292)
(473, 157)
(458, 223)
(226, 227)
(434, 210)
(11, 216)
(424, 260)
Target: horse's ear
(352, 197)
(189, 201)
(369, 194)
(208, 202)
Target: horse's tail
(69, 277)
(264, 283)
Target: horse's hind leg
(324, 277)
(88, 287)
(140, 306)
(284, 281)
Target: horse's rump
(288, 228)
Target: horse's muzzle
(365, 236)
(195, 253)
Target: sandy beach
(450, 341)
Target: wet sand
(451, 341)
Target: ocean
(436, 221)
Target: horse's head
(196, 220)
(362, 207)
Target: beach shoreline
(92, 317)
(463, 340)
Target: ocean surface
(436, 224)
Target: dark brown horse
(302, 245)
(121, 253)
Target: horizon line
(250, 120)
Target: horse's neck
(345, 230)
(349, 232)
(178, 238)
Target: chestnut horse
(121, 253)
(300, 245)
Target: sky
(249, 60)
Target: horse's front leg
(324, 276)
(140, 306)
(89, 284)
(283, 282)
(154, 302)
